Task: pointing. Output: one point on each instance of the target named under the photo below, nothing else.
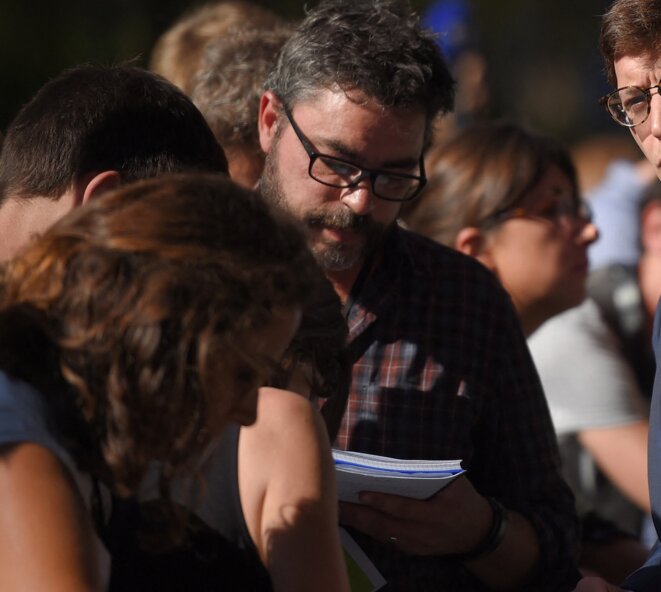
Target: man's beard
(330, 256)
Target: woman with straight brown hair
(510, 198)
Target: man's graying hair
(373, 46)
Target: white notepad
(420, 479)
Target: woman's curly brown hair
(118, 313)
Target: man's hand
(592, 584)
(454, 520)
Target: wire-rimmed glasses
(630, 105)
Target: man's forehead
(336, 97)
(354, 125)
(630, 67)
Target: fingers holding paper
(500, 547)
(452, 521)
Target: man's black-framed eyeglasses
(630, 105)
(340, 173)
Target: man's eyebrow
(340, 148)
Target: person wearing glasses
(509, 198)
(441, 369)
(630, 43)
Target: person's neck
(343, 281)
(21, 219)
(530, 323)
(531, 317)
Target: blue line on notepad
(400, 471)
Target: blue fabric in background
(452, 21)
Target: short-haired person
(178, 52)
(227, 88)
(88, 130)
(631, 47)
(440, 365)
(132, 331)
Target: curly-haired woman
(131, 332)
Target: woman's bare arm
(621, 453)
(287, 485)
(46, 539)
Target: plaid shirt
(442, 371)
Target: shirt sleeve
(523, 471)
(587, 381)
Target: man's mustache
(341, 220)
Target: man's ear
(472, 241)
(269, 116)
(95, 184)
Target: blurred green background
(544, 68)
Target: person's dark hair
(228, 85)
(487, 168)
(630, 27)
(319, 349)
(121, 313)
(178, 52)
(96, 118)
(376, 47)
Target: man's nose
(587, 233)
(655, 113)
(359, 198)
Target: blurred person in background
(612, 177)
(506, 172)
(227, 88)
(453, 23)
(178, 52)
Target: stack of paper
(356, 472)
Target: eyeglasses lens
(629, 106)
(337, 173)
